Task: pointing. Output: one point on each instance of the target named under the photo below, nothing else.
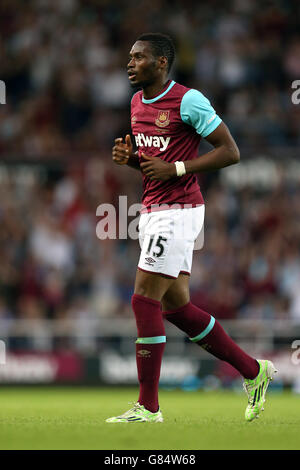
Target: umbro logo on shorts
(150, 261)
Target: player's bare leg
(178, 293)
(152, 285)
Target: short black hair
(161, 45)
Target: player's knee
(150, 285)
(142, 289)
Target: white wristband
(180, 168)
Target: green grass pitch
(73, 418)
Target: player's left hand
(157, 169)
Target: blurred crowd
(64, 66)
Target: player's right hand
(122, 151)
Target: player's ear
(163, 62)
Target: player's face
(143, 68)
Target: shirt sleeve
(196, 110)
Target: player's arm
(225, 152)
(123, 154)
(197, 112)
(133, 161)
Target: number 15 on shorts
(156, 247)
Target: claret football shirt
(170, 126)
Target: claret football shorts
(168, 239)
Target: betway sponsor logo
(152, 141)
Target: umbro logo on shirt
(160, 142)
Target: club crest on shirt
(163, 119)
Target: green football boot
(137, 414)
(256, 389)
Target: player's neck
(153, 90)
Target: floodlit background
(65, 313)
